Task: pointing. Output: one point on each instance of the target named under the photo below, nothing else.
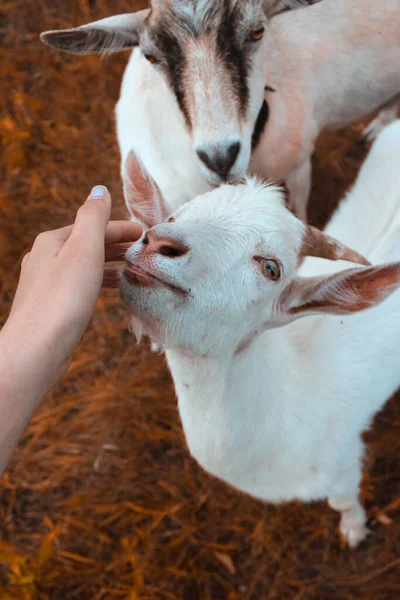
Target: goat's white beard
(139, 329)
(136, 328)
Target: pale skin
(60, 281)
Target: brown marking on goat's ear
(344, 293)
(143, 197)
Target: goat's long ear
(143, 197)
(344, 293)
(107, 35)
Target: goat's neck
(265, 372)
(239, 411)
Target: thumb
(91, 219)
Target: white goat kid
(190, 108)
(329, 65)
(274, 405)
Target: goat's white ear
(143, 197)
(343, 293)
(107, 35)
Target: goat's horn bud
(316, 243)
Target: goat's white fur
(281, 419)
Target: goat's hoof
(353, 531)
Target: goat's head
(225, 266)
(211, 53)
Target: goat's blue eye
(270, 268)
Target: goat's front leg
(298, 183)
(345, 499)
(386, 115)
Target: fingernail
(99, 191)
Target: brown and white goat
(212, 63)
(210, 53)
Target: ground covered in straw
(102, 500)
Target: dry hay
(102, 499)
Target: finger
(123, 231)
(111, 277)
(88, 231)
(50, 242)
(117, 251)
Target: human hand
(60, 280)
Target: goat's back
(368, 218)
(331, 64)
(363, 349)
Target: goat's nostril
(220, 162)
(233, 153)
(145, 239)
(203, 156)
(171, 251)
(164, 246)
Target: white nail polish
(99, 191)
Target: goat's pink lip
(139, 276)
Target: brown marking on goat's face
(206, 78)
(178, 33)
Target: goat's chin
(151, 329)
(148, 309)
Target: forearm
(60, 280)
(20, 390)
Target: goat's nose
(163, 245)
(221, 161)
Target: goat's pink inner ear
(142, 194)
(344, 293)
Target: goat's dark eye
(151, 58)
(257, 34)
(269, 268)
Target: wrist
(24, 375)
